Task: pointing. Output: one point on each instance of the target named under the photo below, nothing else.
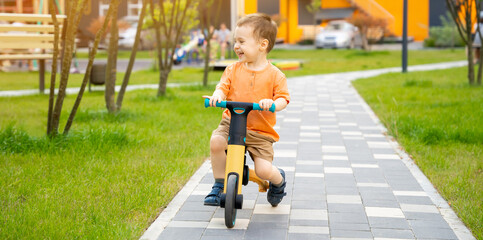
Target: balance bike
(236, 171)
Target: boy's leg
(218, 144)
(265, 170)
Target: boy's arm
(280, 104)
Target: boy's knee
(264, 172)
(217, 143)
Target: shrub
(444, 36)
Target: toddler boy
(251, 79)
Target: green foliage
(444, 36)
(437, 117)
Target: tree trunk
(207, 63)
(87, 75)
(163, 80)
(111, 70)
(471, 67)
(53, 13)
(73, 22)
(130, 65)
(365, 43)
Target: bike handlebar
(222, 104)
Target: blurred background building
(295, 21)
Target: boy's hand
(215, 99)
(265, 104)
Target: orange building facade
(294, 16)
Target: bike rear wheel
(230, 209)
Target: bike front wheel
(230, 209)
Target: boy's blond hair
(263, 27)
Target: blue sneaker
(213, 198)
(276, 194)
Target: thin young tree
(53, 13)
(170, 19)
(461, 12)
(130, 65)
(313, 8)
(87, 75)
(209, 17)
(73, 18)
(110, 91)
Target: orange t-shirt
(241, 84)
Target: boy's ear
(264, 45)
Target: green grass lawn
(111, 176)
(315, 62)
(437, 118)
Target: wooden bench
(33, 39)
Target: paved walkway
(345, 178)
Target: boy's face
(247, 47)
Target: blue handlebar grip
(256, 106)
(222, 104)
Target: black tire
(230, 209)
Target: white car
(337, 34)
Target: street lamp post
(405, 38)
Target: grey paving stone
(213, 237)
(441, 223)
(347, 217)
(227, 233)
(181, 233)
(270, 218)
(307, 236)
(345, 208)
(389, 223)
(423, 216)
(309, 204)
(195, 198)
(240, 213)
(350, 234)
(265, 231)
(434, 233)
(310, 168)
(349, 226)
(337, 163)
(196, 206)
(193, 216)
(377, 195)
(392, 233)
(414, 200)
(344, 190)
(314, 223)
(380, 203)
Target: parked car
(127, 36)
(337, 34)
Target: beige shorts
(257, 145)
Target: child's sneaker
(213, 198)
(276, 194)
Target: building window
(134, 9)
(103, 7)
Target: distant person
(223, 36)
